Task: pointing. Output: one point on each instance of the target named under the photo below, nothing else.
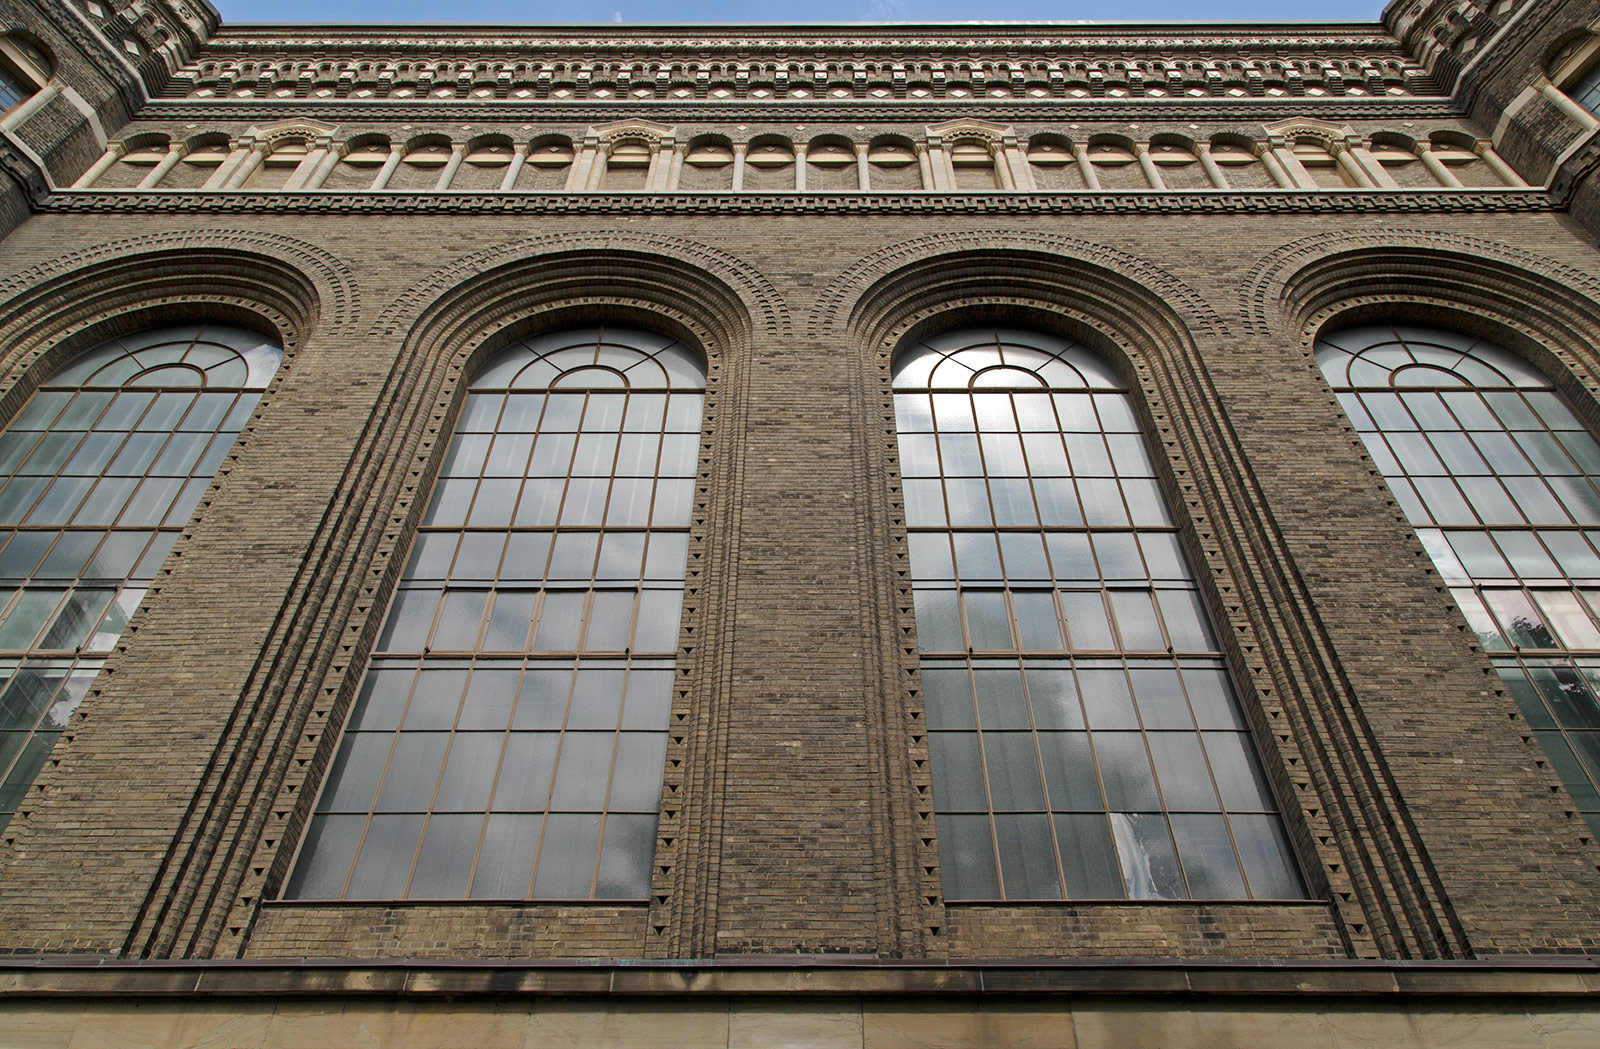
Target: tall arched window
(1085, 737)
(102, 467)
(509, 739)
(1499, 479)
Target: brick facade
(796, 823)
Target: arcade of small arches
(640, 156)
(1153, 77)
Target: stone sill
(51, 976)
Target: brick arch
(1537, 306)
(50, 311)
(446, 326)
(835, 309)
(1285, 275)
(768, 312)
(338, 294)
(1154, 327)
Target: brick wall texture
(796, 817)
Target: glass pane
(444, 864)
(1069, 772)
(505, 861)
(526, 772)
(1125, 771)
(568, 856)
(1072, 461)
(469, 772)
(1027, 858)
(1088, 857)
(958, 784)
(357, 771)
(560, 620)
(330, 846)
(967, 859)
(1149, 864)
(625, 857)
(1013, 771)
(1208, 860)
(384, 865)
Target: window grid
(1498, 477)
(1085, 739)
(102, 468)
(12, 89)
(509, 737)
(1586, 92)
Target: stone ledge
(788, 975)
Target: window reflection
(1586, 92)
(1507, 509)
(1085, 739)
(509, 738)
(102, 468)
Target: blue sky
(591, 11)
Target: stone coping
(43, 976)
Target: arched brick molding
(1418, 262)
(54, 310)
(768, 311)
(1535, 306)
(836, 306)
(1152, 326)
(455, 320)
(337, 296)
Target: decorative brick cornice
(890, 110)
(1074, 203)
(805, 40)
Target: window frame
(1129, 658)
(21, 67)
(573, 660)
(1488, 600)
(115, 504)
(1582, 63)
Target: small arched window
(12, 90)
(1499, 478)
(1586, 90)
(1575, 69)
(1085, 736)
(509, 739)
(24, 69)
(99, 471)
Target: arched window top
(24, 69)
(594, 358)
(1001, 358)
(211, 356)
(1574, 68)
(1385, 355)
